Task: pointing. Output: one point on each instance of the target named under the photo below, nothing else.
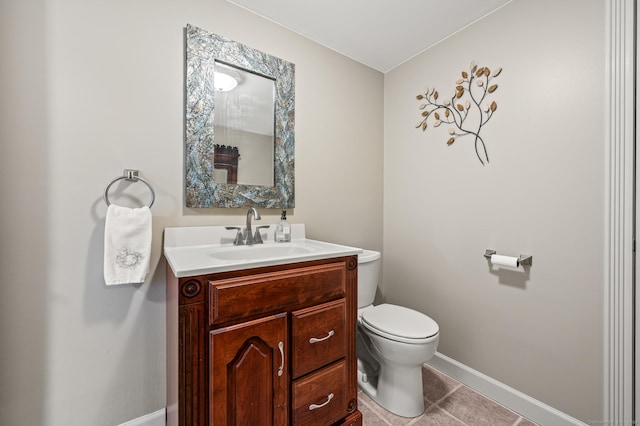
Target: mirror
(239, 114)
(244, 120)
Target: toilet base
(390, 370)
(400, 393)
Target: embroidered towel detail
(127, 245)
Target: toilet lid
(399, 321)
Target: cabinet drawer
(320, 398)
(318, 336)
(240, 297)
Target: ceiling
(381, 34)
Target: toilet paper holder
(523, 259)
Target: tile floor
(447, 403)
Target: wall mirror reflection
(244, 122)
(240, 105)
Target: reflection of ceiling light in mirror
(223, 82)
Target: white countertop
(203, 250)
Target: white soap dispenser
(283, 230)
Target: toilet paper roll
(500, 260)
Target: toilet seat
(399, 323)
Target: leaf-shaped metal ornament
(456, 111)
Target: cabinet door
(249, 374)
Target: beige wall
(542, 194)
(90, 88)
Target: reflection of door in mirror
(225, 163)
(245, 119)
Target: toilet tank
(368, 276)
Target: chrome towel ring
(130, 175)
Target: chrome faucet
(249, 239)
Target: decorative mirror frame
(202, 50)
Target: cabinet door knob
(316, 340)
(316, 406)
(281, 369)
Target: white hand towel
(127, 245)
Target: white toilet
(392, 343)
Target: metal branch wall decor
(467, 110)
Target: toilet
(392, 343)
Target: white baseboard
(157, 418)
(513, 399)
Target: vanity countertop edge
(201, 250)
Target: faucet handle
(257, 239)
(239, 241)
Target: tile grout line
(518, 420)
(452, 416)
(378, 411)
(431, 405)
(415, 419)
(448, 394)
(374, 411)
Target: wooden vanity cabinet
(264, 346)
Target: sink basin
(262, 251)
(188, 253)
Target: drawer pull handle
(316, 406)
(315, 340)
(281, 369)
